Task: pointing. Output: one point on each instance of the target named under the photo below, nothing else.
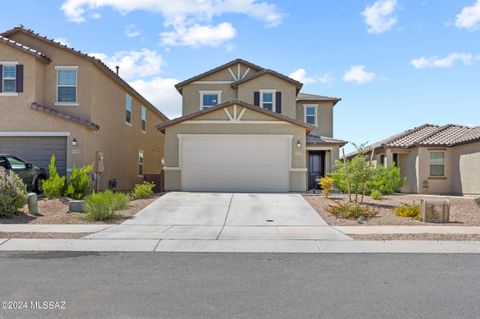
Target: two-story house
(247, 128)
(57, 100)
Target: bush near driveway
(376, 195)
(326, 183)
(55, 184)
(79, 182)
(104, 205)
(350, 210)
(408, 210)
(13, 193)
(143, 190)
(477, 201)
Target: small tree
(79, 183)
(326, 183)
(54, 185)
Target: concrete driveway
(182, 215)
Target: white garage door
(235, 163)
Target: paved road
(178, 285)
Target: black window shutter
(1, 78)
(278, 102)
(19, 77)
(256, 98)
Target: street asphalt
(223, 285)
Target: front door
(316, 168)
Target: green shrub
(13, 193)
(79, 182)
(104, 205)
(143, 190)
(349, 210)
(387, 181)
(477, 201)
(408, 210)
(54, 185)
(326, 183)
(376, 194)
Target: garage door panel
(240, 163)
(37, 150)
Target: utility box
(435, 210)
(99, 167)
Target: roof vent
(118, 68)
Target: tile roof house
(57, 100)
(250, 129)
(434, 159)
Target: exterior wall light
(299, 144)
(74, 142)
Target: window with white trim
(267, 100)
(310, 114)
(143, 116)
(140, 163)
(67, 84)
(210, 98)
(9, 78)
(128, 109)
(437, 164)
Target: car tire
(37, 186)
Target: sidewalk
(239, 246)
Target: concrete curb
(241, 246)
(362, 230)
(44, 228)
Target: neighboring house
(434, 159)
(57, 100)
(246, 128)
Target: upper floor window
(128, 109)
(66, 84)
(144, 118)
(9, 78)
(437, 164)
(209, 98)
(310, 112)
(267, 99)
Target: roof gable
(255, 67)
(297, 84)
(307, 97)
(200, 113)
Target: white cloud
(62, 41)
(132, 31)
(301, 76)
(379, 17)
(133, 64)
(469, 17)
(358, 74)
(189, 20)
(445, 62)
(198, 35)
(161, 92)
(95, 16)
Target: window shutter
(20, 78)
(1, 78)
(256, 98)
(278, 102)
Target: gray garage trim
(37, 150)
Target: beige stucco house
(57, 100)
(434, 159)
(250, 129)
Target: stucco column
(388, 158)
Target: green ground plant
(13, 193)
(143, 190)
(55, 184)
(411, 210)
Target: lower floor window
(437, 164)
(140, 163)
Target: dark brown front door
(316, 167)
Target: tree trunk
(347, 178)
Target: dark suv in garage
(31, 175)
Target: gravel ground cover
(463, 211)
(54, 211)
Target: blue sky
(395, 63)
